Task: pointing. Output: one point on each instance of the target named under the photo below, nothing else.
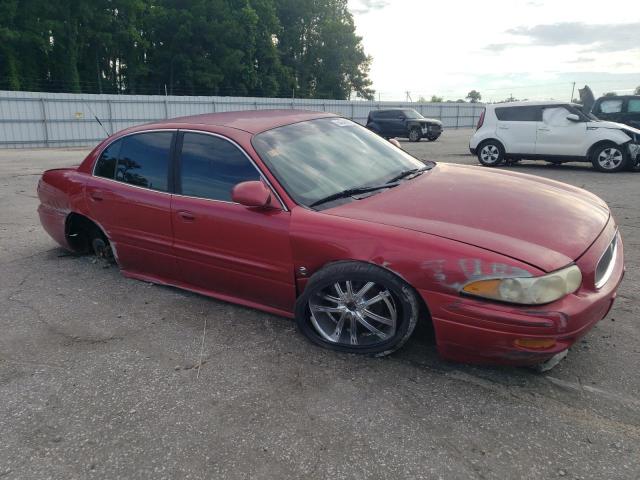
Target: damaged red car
(311, 216)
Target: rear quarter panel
(487, 131)
(60, 191)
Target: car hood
(426, 120)
(544, 223)
(612, 125)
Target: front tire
(432, 138)
(609, 158)
(491, 153)
(415, 135)
(357, 307)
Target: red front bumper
(476, 331)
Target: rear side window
(106, 164)
(386, 114)
(144, 160)
(611, 106)
(210, 167)
(634, 106)
(519, 114)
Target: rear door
(516, 128)
(632, 115)
(222, 247)
(384, 120)
(610, 109)
(398, 123)
(128, 196)
(559, 136)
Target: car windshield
(585, 117)
(411, 114)
(315, 159)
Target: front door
(128, 197)
(224, 248)
(397, 124)
(559, 136)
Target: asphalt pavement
(107, 377)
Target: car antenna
(97, 119)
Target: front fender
(426, 262)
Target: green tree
(474, 96)
(226, 47)
(637, 91)
(318, 45)
(610, 94)
(436, 99)
(24, 44)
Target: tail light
(481, 119)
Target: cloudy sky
(532, 49)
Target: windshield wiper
(352, 191)
(406, 173)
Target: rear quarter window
(106, 164)
(519, 114)
(144, 160)
(634, 106)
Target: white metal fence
(34, 119)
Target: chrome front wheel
(357, 307)
(609, 159)
(354, 313)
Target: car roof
(530, 104)
(619, 97)
(251, 121)
(398, 109)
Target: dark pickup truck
(405, 123)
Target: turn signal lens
(528, 290)
(535, 342)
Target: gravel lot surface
(99, 374)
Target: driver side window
(556, 117)
(211, 166)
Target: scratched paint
(454, 274)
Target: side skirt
(207, 293)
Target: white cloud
(448, 48)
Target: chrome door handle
(96, 196)
(186, 215)
(503, 128)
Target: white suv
(553, 131)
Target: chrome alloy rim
(610, 158)
(490, 154)
(414, 135)
(354, 313)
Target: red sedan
(313, 217)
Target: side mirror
(252, 194)
(573, 117)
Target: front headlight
(528, 290)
